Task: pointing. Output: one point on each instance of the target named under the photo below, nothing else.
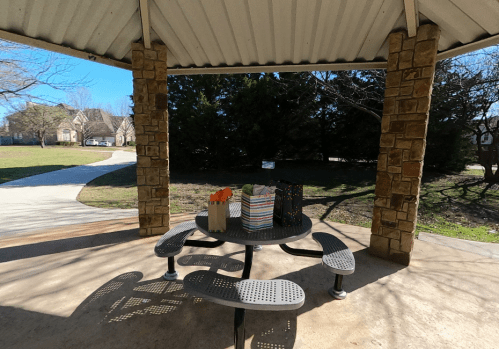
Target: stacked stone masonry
(409, 80)
(151, 129)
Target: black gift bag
(288, 203)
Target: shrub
(132, 143)
(248, 189)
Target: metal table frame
(272, 236)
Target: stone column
(409, 80)
(151, 130)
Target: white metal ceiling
(245, 35)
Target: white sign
(268, 165)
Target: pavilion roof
(230, 36)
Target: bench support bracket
(337, 292)
(301, 252)
(172, 274)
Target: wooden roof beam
(411, 16)
(144, 16)
(25, 40)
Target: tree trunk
(491, 177)
(324, 140)
(41, 138)
(489, 174)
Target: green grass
(473, 172)
(23, 161)
(458, 205)
(116, 189)
(455, 230)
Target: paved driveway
(49, 200)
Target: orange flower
(221, 195)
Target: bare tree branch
(23, 68)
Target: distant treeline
(227, 121)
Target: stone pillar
(409, 80)
(151, 130)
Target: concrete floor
(99, 285)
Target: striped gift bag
(257, 211)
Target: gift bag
(218, 211)
(257, 211)
(288, 203)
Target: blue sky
(107, 84)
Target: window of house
(66, 135)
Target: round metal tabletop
(236, 234)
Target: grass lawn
(24, 161)
(458, 205)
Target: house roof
(217, 36)
(103, 122)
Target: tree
(464, 94)
(359, 89)
(39, 120)
(23, 68)
(351, 112)
(488, 153)
(342, 101)
(201, 131)
(464, 91)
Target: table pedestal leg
(248, 260)
(239, 328)
(240, 313)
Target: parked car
(105, 144)
(91, 142)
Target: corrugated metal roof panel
(208, 34)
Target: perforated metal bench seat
(172, 242)
(337, 256)
(245, 293)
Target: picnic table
(245, 293)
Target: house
(487, 138)
(68, 130)
(107, 127)
(80, 125)
(125, 132)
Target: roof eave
(367, 65)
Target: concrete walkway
(49, 199)
(482, 248)
(105, 290)
(479, 167)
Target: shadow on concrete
(213, 262)
(15, 173)
(8, 254)
(125, 312)
(72, 175)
